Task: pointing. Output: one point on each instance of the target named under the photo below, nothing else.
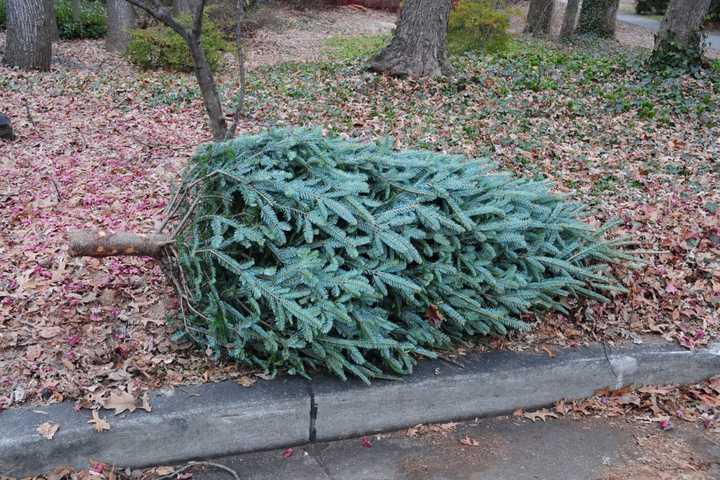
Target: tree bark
(107, 244)
(211, 99)
(539, 17)
(570, 18)
(681, 28)
(598, 17)
(28, 44)
(121, 19)
(419, 46)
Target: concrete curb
(204, 421)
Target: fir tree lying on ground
(295, 251)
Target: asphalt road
(712, 40)
(505, 448)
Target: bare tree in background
(598, 17)
(681, 29)
(28, 44)
(192, 36)
(539, 17)
(182, 7)
(419, 46)
(570, 18)
(121, 20)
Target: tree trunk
(28, 44)
(419, 46)
(570, 18)
(598, 17)
(681, 29)
(108, 244)
(539, 17)
(121, 19)
(205, 78)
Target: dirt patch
(303, 35)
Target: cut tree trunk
(681, 28)
(121, 20)
(28, 44)
(107, 244)
(539, 17)
(419, 46)
(598, 17)
(570, 18)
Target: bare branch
(198, 19)
(239, 109)
(161, 14)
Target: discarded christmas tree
(294, 251)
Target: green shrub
(305, 252)
(91, 24)
(479, 25)
(161, 47)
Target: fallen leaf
(100, 424)
(246, 381)
(469, 441)
(48, 430)
(146, 402)
(49, 332)
(120, 401)
(540, 415)
(550, 353)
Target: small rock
(6, 131)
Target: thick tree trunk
(419, 46)
(28, 43)
(205, 78)
(598, 17)
(108, 244)
(121, 19)
(570, 18)
(539, 17)
(681, 29)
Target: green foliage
(479, 25)
(674, 57)
(92, 22)
(159, 46)
(351, 48)
(308, 252)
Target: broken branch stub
(107, 244)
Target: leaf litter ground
(100, 144)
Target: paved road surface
(506, 448)
(713, 39)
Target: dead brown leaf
(100, 423)
(120, 401)
(48, 430)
